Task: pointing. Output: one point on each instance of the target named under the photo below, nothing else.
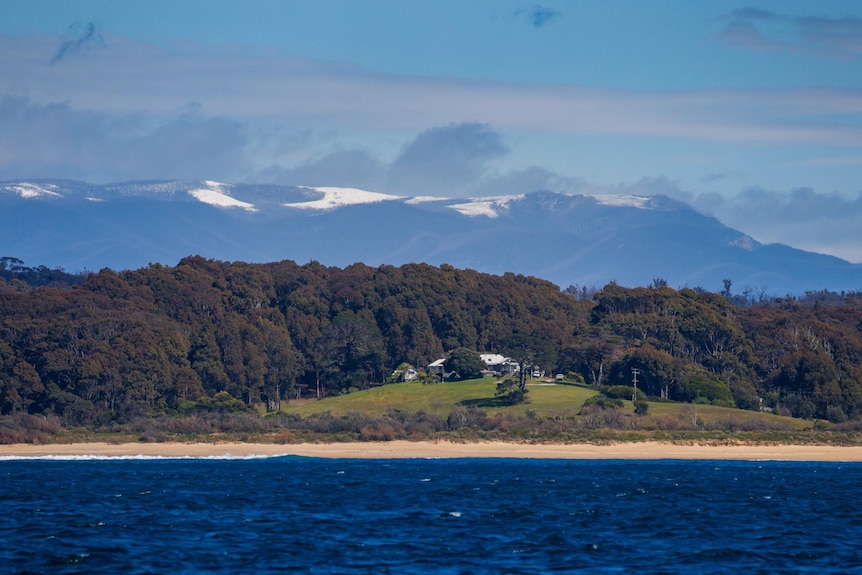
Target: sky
(750, 111)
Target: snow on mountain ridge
(488, 206)
(27, 190)
(216, 195)
(745, 242)
(223, 195)
(339, 197)
(623, 200)
(567, 238)
(425, 200)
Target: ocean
(461, 516)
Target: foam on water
(141, 457)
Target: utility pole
(635, 372)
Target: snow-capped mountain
(568, 239)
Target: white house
(496, 364)
(409, 374)
(405, 372)
(436, 366)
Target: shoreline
(431, 450)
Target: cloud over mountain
(57, 140)
(826, 223)
(803, 218)
(446, 159)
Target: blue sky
(751, 111)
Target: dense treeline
(207, 335)
(801, 360)
(14, 274)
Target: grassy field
(707, 414)
(544, 400)
(440, 398)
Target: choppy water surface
(290, 514)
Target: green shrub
(835, 414)
(465, 362)
(596, 416)
(603, 402)
(702, 387)
(221, 402)
(510, 392)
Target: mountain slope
(568, 239)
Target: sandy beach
(427, 449)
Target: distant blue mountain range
(568, 239)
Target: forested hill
(158, 339)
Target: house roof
(492, 359)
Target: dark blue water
(291, 514)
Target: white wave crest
(139, 457)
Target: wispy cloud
(55, 140)
(354, 168)
(83, 35)
(803, 218)
(834, 161)
(714, 177)
(756, 29)
(443, 159)
(59, 141)
(525, 180)
(129, 77)
(741, 33)
(452, 160)
(539, 16)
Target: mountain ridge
(568, 239)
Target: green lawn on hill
(543, 399)
(707, 414)
(440, 398)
